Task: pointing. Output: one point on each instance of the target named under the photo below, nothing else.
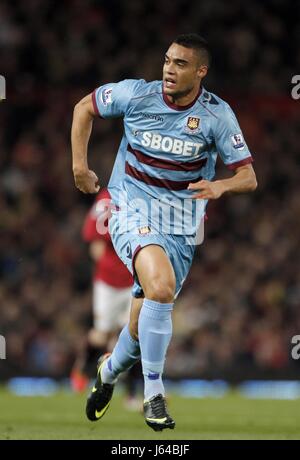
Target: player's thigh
(152, 264)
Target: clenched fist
(207, 190)
(86, 181)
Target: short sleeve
(229, 140)
(112, 99)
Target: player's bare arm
(244, 180)
(85, 179)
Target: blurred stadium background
(239, 309)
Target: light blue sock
(125, 354)
(155, 331)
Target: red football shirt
(109, 268)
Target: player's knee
(161, 290)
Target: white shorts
(111, 306)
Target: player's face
(182, 71)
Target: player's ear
(202, 71)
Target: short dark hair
(197, 43)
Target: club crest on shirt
(144, 230)
(192, 125)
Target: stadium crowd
(240, 305)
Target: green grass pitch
(62, 416)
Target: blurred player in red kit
(112, 285)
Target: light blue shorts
(129, 239)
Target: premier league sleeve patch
(238, 141)
(106, 96)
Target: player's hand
(86, 181)
(207, 190)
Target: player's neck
(186, 99)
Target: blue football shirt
(164, 148)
